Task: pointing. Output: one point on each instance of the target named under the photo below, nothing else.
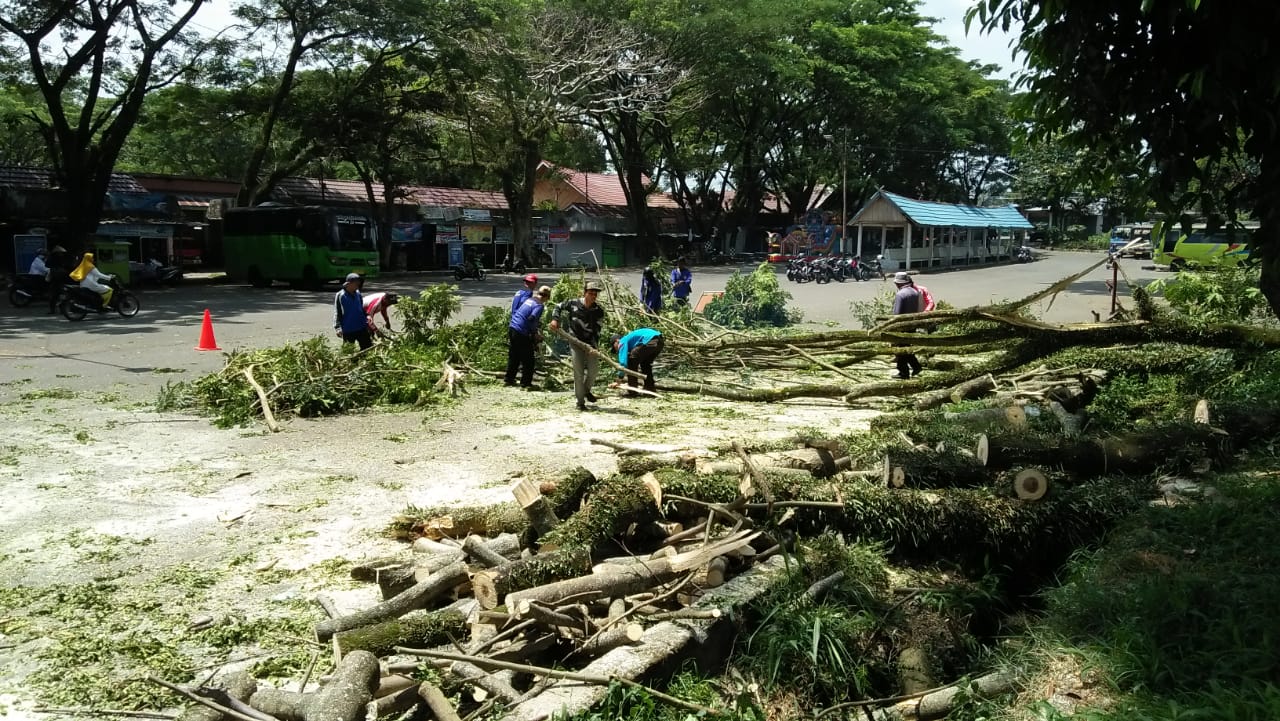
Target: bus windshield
(352, 232)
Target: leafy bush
(752, 301)
(868, 312)
(422, 316)
(1223, 295)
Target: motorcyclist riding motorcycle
(38, 266)
(88, 275)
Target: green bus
(1227, 246)
(303, 245)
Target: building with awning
(922, 234)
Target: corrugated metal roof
(929, 213)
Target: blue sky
(993, 48)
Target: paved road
(157, 346)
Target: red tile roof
(12, 176)
(602, 188)
(457, 197)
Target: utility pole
(844, 190)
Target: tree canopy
(1186, 87)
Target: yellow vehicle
(1224, 247)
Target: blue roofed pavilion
(921, 234)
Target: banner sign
(455, 253)
(406, 233)
(477, 234)
(446, 234)
(473, 215)
(557, 235)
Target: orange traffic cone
(206, 334)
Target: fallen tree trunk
(660, 649)
(939, 703)
(350, 690)
(418, 596)
(239, 685)
(417, 628)
(461, 521)
(491, 585)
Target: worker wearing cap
(907, 300)
(523, 333)
(530, 282)
(586, 317)
(349, 320)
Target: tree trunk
(345, 697)
(428, 628)
(416, 597)
(491, 585)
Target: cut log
(417, 596)
(913, 671)
(715, 571)
(394, 704)
(460, 521)
(345, 697)
(1072, 423)
(1030, 484)
(284, 705)
(628, 579)
(475, 547)
(661, 646)
(417, 628)
(938, 704)
(931, 469)
(491, 585)
(435, 700)
(973, 388)
(239, 685)
(982, 449)
(1201, 414)
(1007, 417)
(541, 516)
(492, 684)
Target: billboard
(446, 234)
(477, 234)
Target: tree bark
(345, 697)
(419, 595)
(491, 585)
(426, 628)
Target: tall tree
(1181, 84)
(353, 39)
(110, 54)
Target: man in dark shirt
(60, 265)
(586, 317)
(523, 333)
(681, 282)
(907, 300)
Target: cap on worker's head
(901, 277)
(593, 285)
(617, 339)
(353, 276)
(531, 279)
(59, 249)
(544, 291)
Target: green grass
(1178, 611)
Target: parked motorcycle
(156, 272)
(80, 302)
(27, 288)
(1023, 254)
(468, 270)
(510, 265)
(869, 269)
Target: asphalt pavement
(140, 354)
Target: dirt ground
(170, 521)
